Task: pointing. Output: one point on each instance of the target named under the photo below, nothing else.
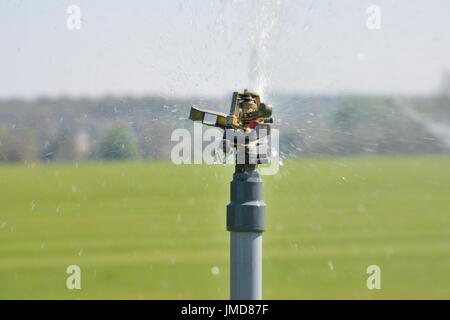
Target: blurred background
(91, 92)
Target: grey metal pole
(246, 220)
(246, 266)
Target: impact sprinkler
(246, 129)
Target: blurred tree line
(131, 128)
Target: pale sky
(198, 47)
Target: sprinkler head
(249, 121)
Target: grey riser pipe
(246, 265)
(246, 221)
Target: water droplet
(215, 271)
(390, 251)
(361, 208)
(360, 57)
(331, 265)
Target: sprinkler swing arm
(248, 122)
(245, 108)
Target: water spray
(246, 128)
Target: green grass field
(155, 230)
